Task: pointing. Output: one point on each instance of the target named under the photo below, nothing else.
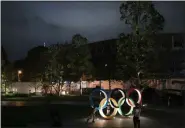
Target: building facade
(104, 57)
(173, 44)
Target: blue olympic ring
(91, 100)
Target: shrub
(20, 95)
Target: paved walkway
(152, 117)
(167, 109)
(117, 122)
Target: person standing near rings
(136, 117)
(92, 116)
(56, 119)
(108, 108)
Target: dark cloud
(27, 24)
(174, 14)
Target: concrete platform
(117, 122)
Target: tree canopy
(134, 49)
(79, 58)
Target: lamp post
(138, 74)
(139, 80)
(19, 72)
(106, 65)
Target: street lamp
(106, 65)
(139, 79)
(138, 74)
(19, 72)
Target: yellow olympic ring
(113, 113)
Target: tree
(79, 59)
(134, 48)
(36, 56)
(7, 76)
(38, 80)
(56, 64)
(7, 73)
(78, 40)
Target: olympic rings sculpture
(108, 100)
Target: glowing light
(144, 105)
(19, 72)
(39, 91)
(63, 93)
(19, 103)
(14, 90)
(123, 96)
(114, 104)
(131, 108)
(139, 94)
(101, 109)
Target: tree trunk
(5, 87)
(35, 90)
(61, 85)
(139, 82)
(80, 87)
(59, 88)
(51, 89)
(100, 83)
(69, 87)
(100, 88)
(109, 84)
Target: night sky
(28, 24)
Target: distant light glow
(123, 96)
(19, 72)
(144, 105)
(131, 107)
(114, 104)
(101, 108)
(139, 95)
(14, 89)
(39, 91)
(63, 92)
